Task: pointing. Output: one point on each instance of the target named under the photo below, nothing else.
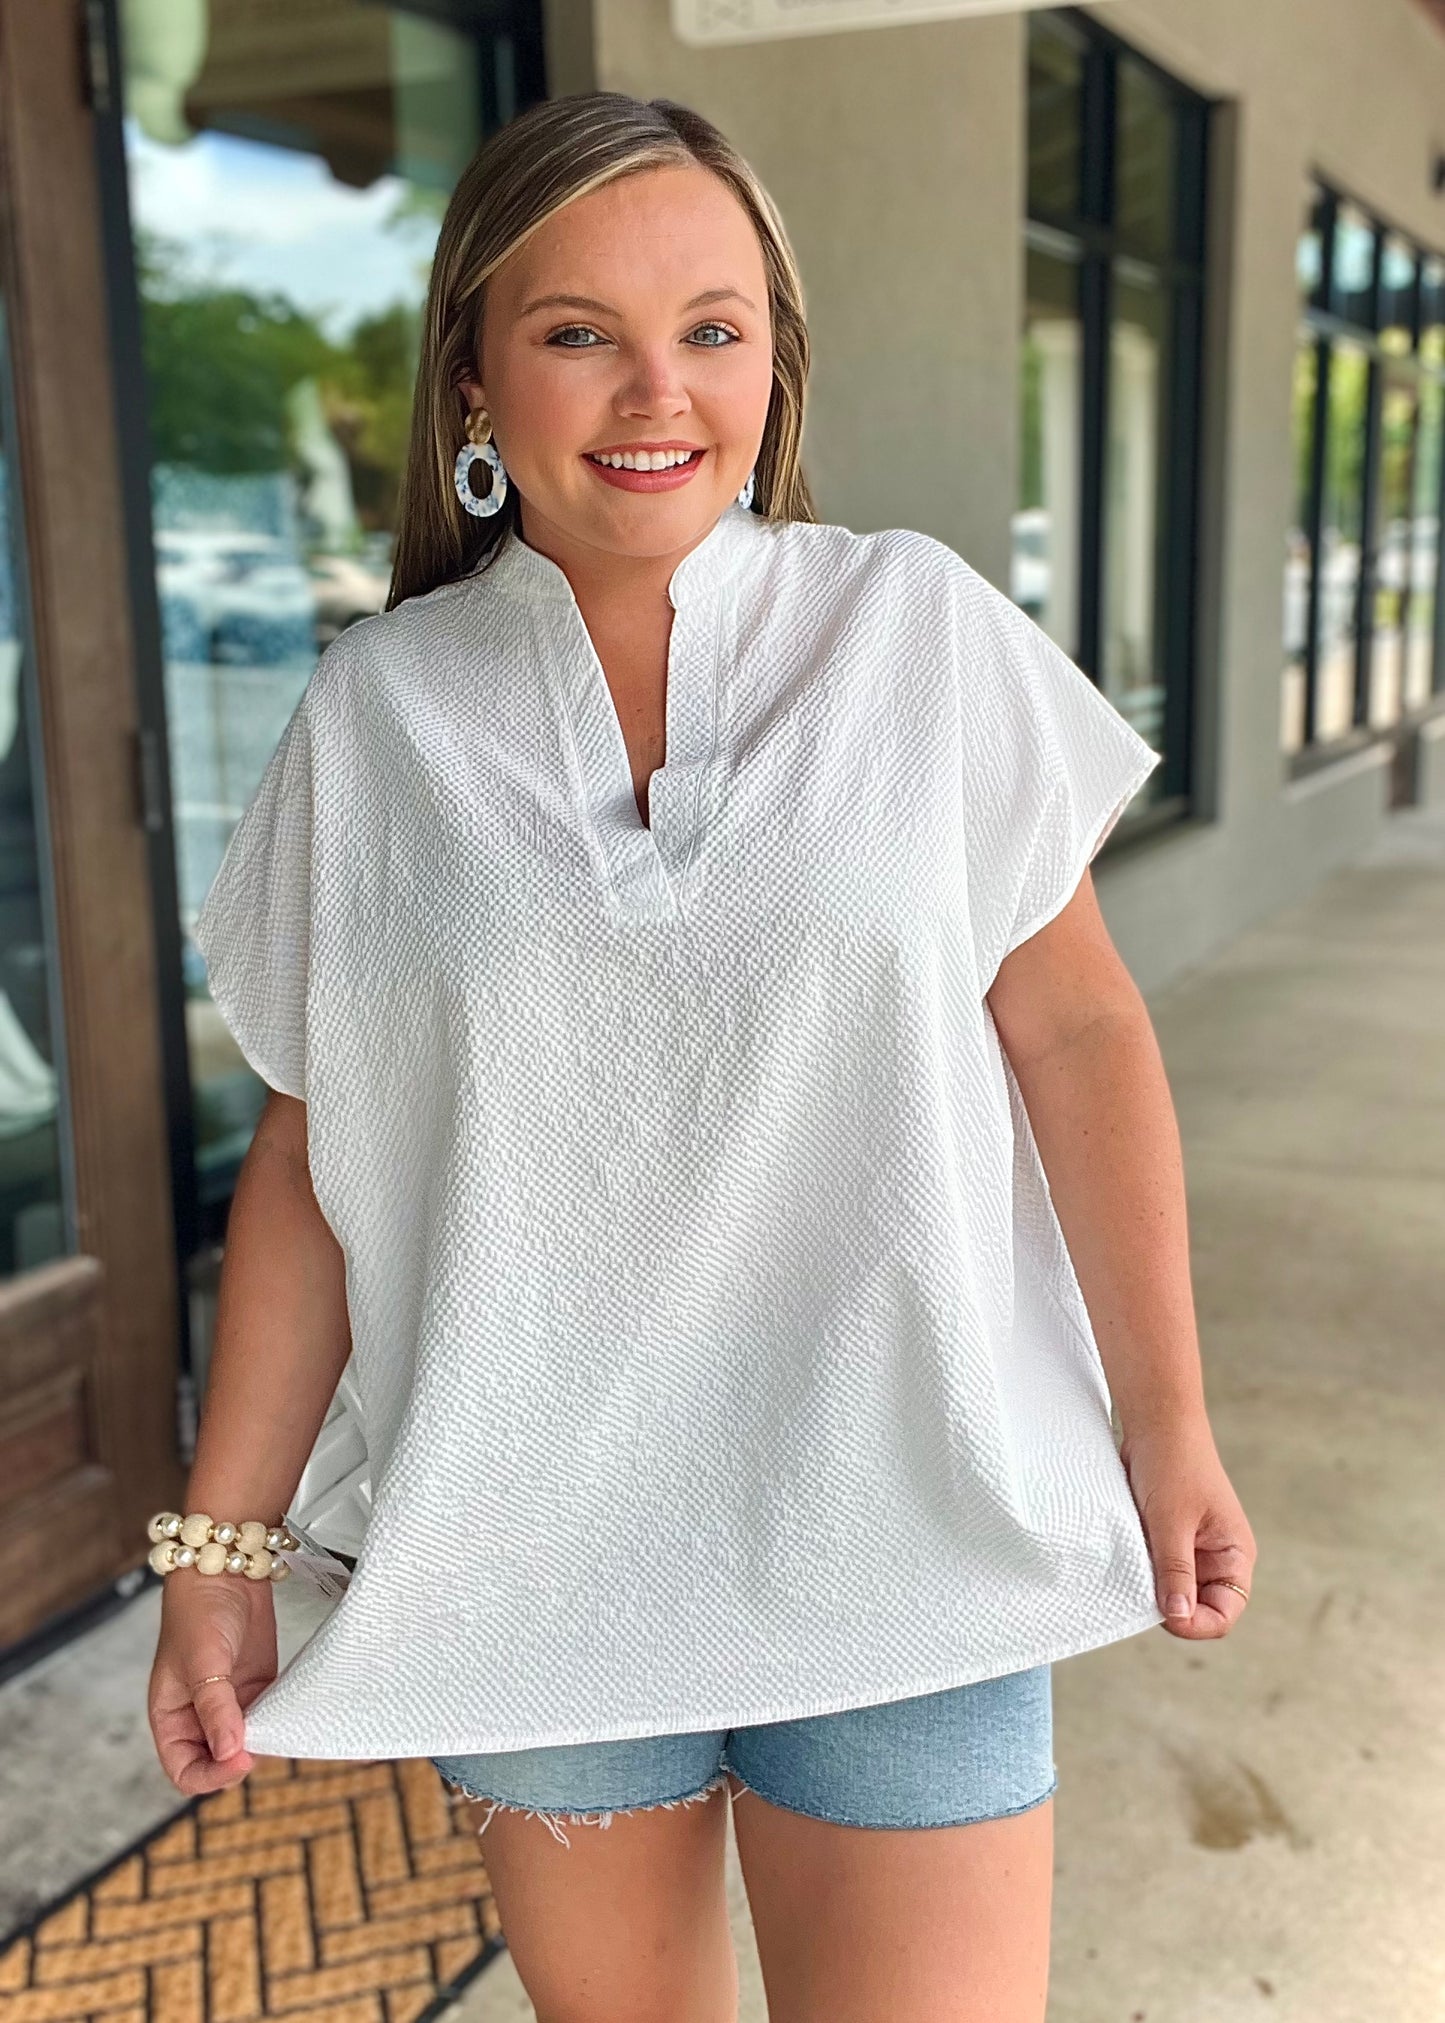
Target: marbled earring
(479, 448)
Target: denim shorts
(967, 1753)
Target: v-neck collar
(732, 539)
(649, 866)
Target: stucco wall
(895, 159)
(897, 156)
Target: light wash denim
(967, 1753)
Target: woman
(667, 933)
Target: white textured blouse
(718, 1349)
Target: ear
(472, 392)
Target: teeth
(645, 460)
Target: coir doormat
(325, 1892)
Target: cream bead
(211, 1546)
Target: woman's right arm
(282, 1337)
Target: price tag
(314, 1566)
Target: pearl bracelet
(252, 1548)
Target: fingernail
(1177, 1605)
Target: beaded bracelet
(252, 1548)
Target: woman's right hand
(210, 1623)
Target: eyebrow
(610, 309)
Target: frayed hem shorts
(973, 1752)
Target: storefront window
(32, 1188)
(1424, 650)
(1362, 560)
(1398, 267)
(1310, 252)
(1147, 142)
(1399, 421)
(288, 169)
(1300, 544)
(1055, 115)
(1352, 288)
(1138, 376)
(1044, 579)
(1103, 529)
(1341, 537)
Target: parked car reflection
(346, 587)
(233, 597)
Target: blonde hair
(524, 173)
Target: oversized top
(719, 1353)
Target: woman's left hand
(1197, 1531)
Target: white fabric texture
(720, 1355)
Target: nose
(656, 384)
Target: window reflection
(1399, 407)
(1044, 575)
(1299, 551)
(1375, 655)
(32, 1219)
(1432, 311)
(1341, 529)
(1352, 290)
(1137, 375)
(1103, 530)
(1424, 660)
(1424, 551)
(288, 173)
(1056, 72)
(1397, 295)
(1310, 252)
(1146, 174)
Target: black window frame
(1090, 237)
(1321, 328)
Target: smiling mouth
(643, 460)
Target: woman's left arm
(1083, 1051)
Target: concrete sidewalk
(1252, 1827)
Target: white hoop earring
(745, 496)
(479, 448)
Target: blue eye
(585, 330)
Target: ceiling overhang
(707, 22)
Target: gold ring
(210, 1679)
(1227, 1583)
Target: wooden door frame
(89, 1345)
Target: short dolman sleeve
(1050, 765)
(254, 926)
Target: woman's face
(635, 318)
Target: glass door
(34, 1186)
(286, 173)
(277, 176)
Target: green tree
(219, 360)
